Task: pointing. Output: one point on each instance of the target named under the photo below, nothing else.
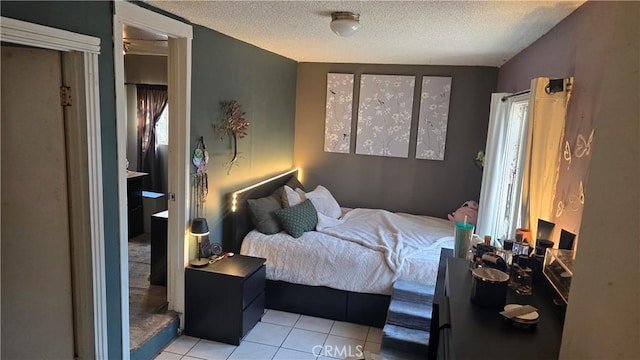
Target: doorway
(147, 107)
(179, 87)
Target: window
(162, 128)
(510, 195)
(500, 211)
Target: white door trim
(21, 32)
(179, 92)
(91, 343)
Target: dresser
(224, 300)
(467, 331)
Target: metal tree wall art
(233, 124)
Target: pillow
(324, 202)
(290, 197)
(262, 213)
(294, 183)
(297, 219)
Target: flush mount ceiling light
(345, 23)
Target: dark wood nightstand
(223, 301)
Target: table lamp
(199, 228)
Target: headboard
(237, 223)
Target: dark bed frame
(320, 301)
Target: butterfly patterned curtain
(577, 147)
(547, 114)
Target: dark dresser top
(478, 333)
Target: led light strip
(234, 196)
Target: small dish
(530, 317)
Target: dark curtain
(152, 100)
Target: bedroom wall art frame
(339, 109)
(384, 115)
(433, 117)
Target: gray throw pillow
(295, 220)
(262, 213)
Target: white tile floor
(281, 336)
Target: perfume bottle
(471, 256)
(525, 248)
(507, 252)
(513, 272)
(523, 276)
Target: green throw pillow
(299, 218)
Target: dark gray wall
(415, 186)
(598, 44)
(265, 86)
(92, 18)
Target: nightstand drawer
(252, 314)
(253, 286)
(224, 300)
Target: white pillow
(290, 197)
(323, 201)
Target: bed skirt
(324, 302)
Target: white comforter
(364, 251)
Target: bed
(341, 271)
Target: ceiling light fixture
(345, 23)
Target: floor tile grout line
(253, 342)
(317, 332)
(192, 346)
(285, 338)
(194, 357)
(328, 332)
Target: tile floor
(282, 335)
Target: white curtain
(544, 136)
(501, 192)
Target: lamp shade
(199, 227)
(344, 23)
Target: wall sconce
(344, 23)
(199, 228)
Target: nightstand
(224, 300)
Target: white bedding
(364, 251)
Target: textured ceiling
(392, 32)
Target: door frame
(179, 92)
(83, 137)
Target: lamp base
(199, 263)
